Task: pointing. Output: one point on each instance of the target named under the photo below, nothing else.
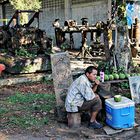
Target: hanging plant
(25, 5)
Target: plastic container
(102, 76)
(120, 114)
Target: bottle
(102, 76)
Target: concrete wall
(51, 11)
(94, 11)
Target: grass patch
(3, 110)
(27, 121)
(29, 98)
(26, 110)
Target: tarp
(132, 12)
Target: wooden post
(137, 33)
(106, 43)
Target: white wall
(48, 16)
(95, 11)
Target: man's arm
(94, 88)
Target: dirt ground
(57, 130)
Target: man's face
(92, 76)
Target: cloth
(130, 14)
(92, 105)
(79, 91)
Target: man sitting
(81, 96)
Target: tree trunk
(122, 48)
(106, 43)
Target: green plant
(104, 66)
(124, 85)
(65, 45)
(47, 80)
(27, 121)
(121, 70)
(29, 97)
(24, 52)
(128, 95)
(3, 110)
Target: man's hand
(97, 82)
(96, 95)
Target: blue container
(120, 114)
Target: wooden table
(116, 81)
